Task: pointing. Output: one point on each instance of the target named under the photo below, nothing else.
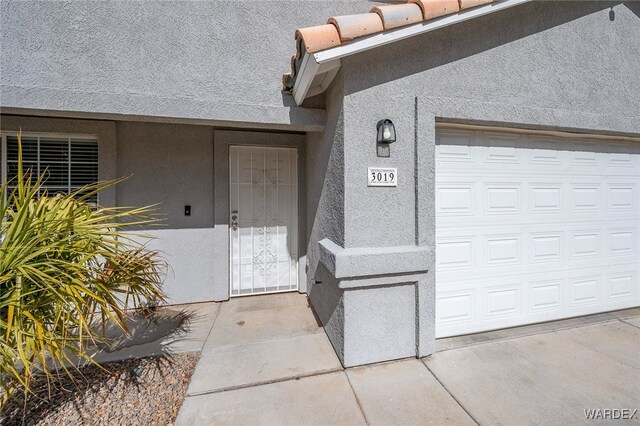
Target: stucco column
(375, 292)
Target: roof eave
(317, 70)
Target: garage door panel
(623, 242)
(502, 249)
(546, 247)
(585, 290)
(501, 198)
(568, 157)
(517, 201)
(585, 197)
(456, 252)
(585, 244)
(542, 152)
(502, 301)
(506, 302)
(545, 295)
(620, 286)
(545, 198)
(456, 307)
(455, 198)
(533, 228)
(507, 250)
(622, 196)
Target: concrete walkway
(267, 361)
(169, 330)
(549, 378)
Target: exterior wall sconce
(386, 131)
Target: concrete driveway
(267, 361)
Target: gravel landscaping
(146, 391)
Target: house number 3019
(383, 176)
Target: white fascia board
(307, 72)
(311, 62)
(380, 39)
(309, 69)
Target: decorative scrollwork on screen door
(264, 260)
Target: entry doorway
(263, 219)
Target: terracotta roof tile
(318, 38)
(354, 26)
(468, 4)
(398, 15)
(342, 29)
(310, 39)
(435, 8)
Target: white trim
(69, 137)
(386, 37)
(523, 131)
(310, 68)
(233, 296)
(51, 134)
(306, 74)
(328, 78)
(3, 158)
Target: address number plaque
(383, 176)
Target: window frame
(4, 161)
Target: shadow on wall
(324, 296)
(325, 206)
(468, 38)
(327, 306)
(312, 102)
(325, 179)
(633, 6)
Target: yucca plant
(67, 268)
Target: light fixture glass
(386, 131)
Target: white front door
(532, 228)
(263, 217)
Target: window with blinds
(69, 163)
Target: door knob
(234, 222)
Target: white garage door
(533, 228)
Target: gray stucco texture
(370, 261)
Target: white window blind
(68, 162)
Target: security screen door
(263, 218)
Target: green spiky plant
(67, 268)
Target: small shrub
(67, 268)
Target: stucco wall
(570, 66)
(574, 67)
(556, 65)
(176, 165)
(189, 255)
(170, 165)
(547, 65)
(325, 179)
(218, 61)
